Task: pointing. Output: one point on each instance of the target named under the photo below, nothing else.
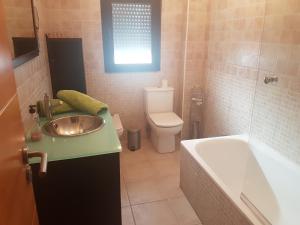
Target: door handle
(33, 154)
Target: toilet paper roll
(164, 83)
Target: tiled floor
(150, 189)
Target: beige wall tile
(123, 92)
(235, 31)
(248, 41)
(33, 77)
(274, 119)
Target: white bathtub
(268, 183)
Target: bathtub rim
(190, 147)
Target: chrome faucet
(49, 107)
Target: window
(131, 35)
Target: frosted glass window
(132, 33)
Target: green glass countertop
(103, 141)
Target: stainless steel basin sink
(73, 125)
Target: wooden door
(17, 206)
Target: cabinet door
(17, 206)
(82, 191)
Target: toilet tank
(158, 99)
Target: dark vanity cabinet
(81, 191)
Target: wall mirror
(21, 24)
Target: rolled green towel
(59, 106)
(81, 102)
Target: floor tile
(138, 171)
(169, 186)
(124, 195)
(143, 191)
(166, 167)
(127, 217)
(134, 157)
(183, 211)
(153, 155)
(156, 213)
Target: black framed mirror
(22, 21)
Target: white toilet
(164, 123)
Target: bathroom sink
(73, 125)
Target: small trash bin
(133, 139)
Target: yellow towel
(81, 102)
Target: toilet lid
(168, 119)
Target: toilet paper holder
(271, 79)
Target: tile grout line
(160, 200)
(126, 191)
(132, 214)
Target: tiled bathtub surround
(248, 40)
(33, 77)
(206, 197)
(234, 33)
(276, 120)
(229, 97)
(123, 92)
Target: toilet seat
(165, 120)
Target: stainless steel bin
(133, 139)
